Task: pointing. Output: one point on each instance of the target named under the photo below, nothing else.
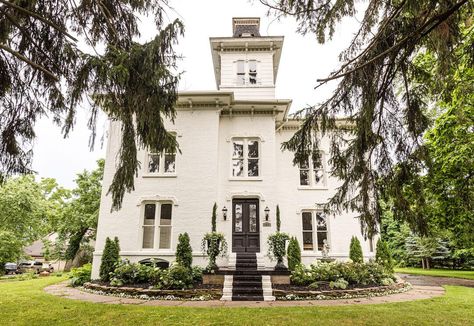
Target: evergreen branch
(28, 61)
(438, 19)
(27, 35)
(33, 14)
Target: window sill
(246, 179)
(311, 188)
(171, 175)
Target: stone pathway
(424, 287)
(421, 280)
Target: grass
(25, 303)
(437, 272)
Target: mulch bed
(208, 291)
(324, 292)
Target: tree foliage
(294, 254)
(383, 255)
(355, 251)
(110, 258)
(184, 252)
(383, 93)
(80, 214)
(45, 72)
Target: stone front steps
(245, 282)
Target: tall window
(314, 235)
(240, 72)
(252, 72)
(161, 164)
(312, 175)
(245, 157)
(152, 213)
(246, 72)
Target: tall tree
(80, 216)
(380, 94)
(43, 72)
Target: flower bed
(303, 293)
(197, 293)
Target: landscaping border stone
(290, 294)
(188, 294)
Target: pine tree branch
(28, 61)
(33, 14)
(27, 35)
(438, 19)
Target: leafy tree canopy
(385, 93)
(43, 72)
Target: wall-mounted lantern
(224, 213)
(267, 213)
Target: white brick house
(230, 141)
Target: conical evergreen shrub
(355, 251)
(110, 258)
(294, 254)
(383, 255)
(184, 252)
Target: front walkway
(424, 287)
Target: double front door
(245, 225)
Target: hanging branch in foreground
(381, 139)
(43, 73)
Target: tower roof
(245, 26)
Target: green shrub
(383, 255)
(278, 220)
(110, 258)
(81, 275)
(294, 254)
(370, 273)
(355, 251)
(276, 245)
(184, 252)
(176, 277)
(196, 271)
(387, 281)
(128, 273)
(300, 275)
(339, 284)
(214, 245)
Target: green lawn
(25, 303)
(437, 272)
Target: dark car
(11, 268)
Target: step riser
(246, 282)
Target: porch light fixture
(224, 213)
(267, 213)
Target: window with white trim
(161, 164)
(315, 230)
(312, 175)
(252, 72)
(157, 234)
(240, 72)
(246, 72)
(245, 158)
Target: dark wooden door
(245, 225)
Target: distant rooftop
(245, 26)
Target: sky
(303, 61)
